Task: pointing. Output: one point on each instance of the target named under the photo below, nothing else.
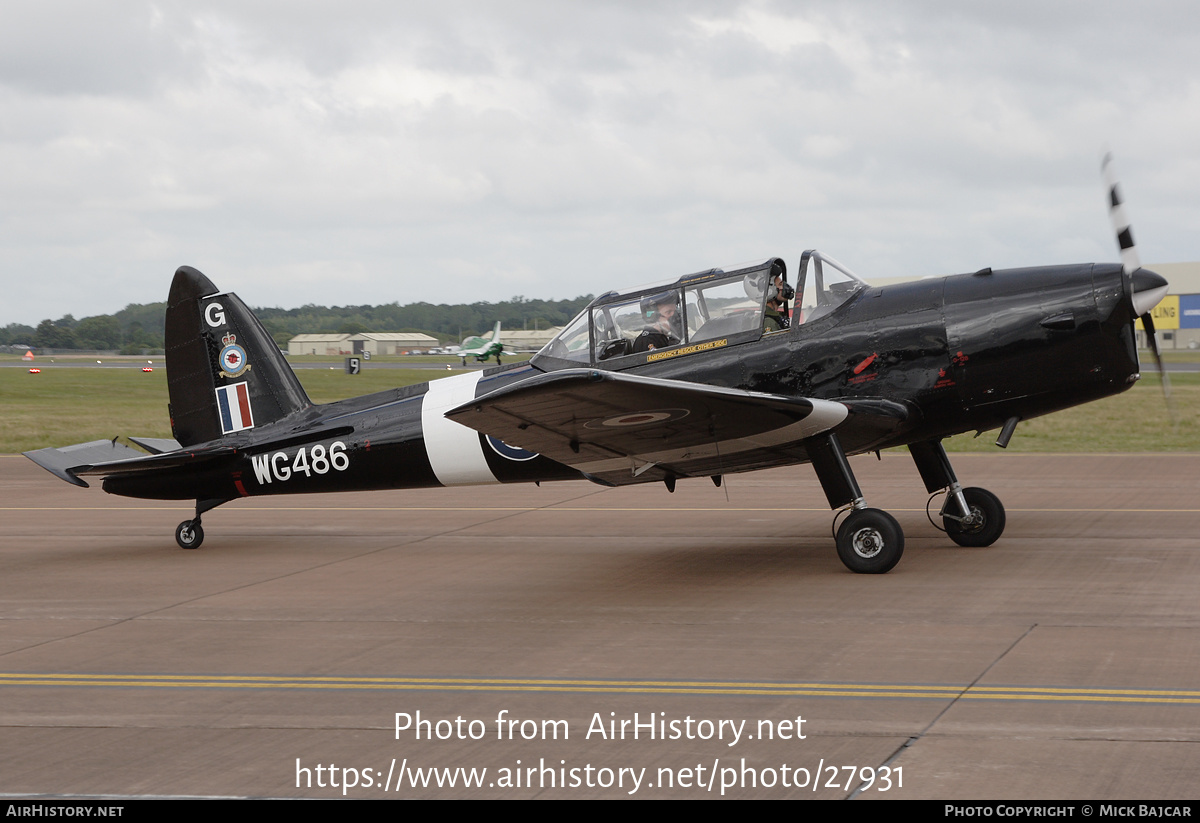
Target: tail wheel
(870, 541)
(189, 534)
(984, 526)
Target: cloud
(374, 152)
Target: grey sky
(382, 151)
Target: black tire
(989, 520)
(189, 534)
(870, 541)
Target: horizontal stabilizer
(61, 462)
(157, 445)
(107, 457)
(144, 463)
(619, 427)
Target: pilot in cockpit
(666, 328)
(778, 294)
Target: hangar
(367, 342)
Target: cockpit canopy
(727, 304)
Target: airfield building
(373, 343)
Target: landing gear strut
(972, 517)
(190, 533)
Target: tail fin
(224, 371)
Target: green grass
(325, 386)
(334, 360)
(62, 406)
(1135, 421)
(1174, 356)
(410, 359)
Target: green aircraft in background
(481, 348)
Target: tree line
(138, 328)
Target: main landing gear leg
(972, 517)
(190, 534)
(869, 541)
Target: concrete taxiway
(700, 644)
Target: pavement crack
(953, 702)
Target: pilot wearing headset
(778, 294)
(666, 327)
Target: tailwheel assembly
(189, 534)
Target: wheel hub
(975, 522)
(867, 542)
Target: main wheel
(189, 534)
(870, 541)
(986, 523)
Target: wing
(620, 428)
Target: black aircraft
(727, 370)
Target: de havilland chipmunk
(726, 370)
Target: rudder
(224, 372)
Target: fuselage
(941, 356)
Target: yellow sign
(712, 344)
(1165, 314)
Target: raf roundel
(511, 452)
(639, 418)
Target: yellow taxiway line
(724, 688)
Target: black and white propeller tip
(1146, 288)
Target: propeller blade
(1147, 288)
(1148, 325)
(1120, 220)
